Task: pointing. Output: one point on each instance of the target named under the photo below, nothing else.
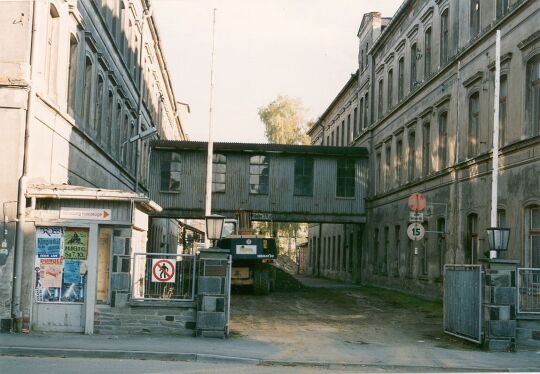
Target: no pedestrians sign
(163, 270)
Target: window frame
(219, 159)
(306, 177)
(262, 167)
(347, 191)
(167, 172)
(473, 133)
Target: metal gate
(463, 286)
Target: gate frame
(480, 307)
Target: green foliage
(284, 122)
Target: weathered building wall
(420, 139)
(85, 89)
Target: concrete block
(210, 321)
(120, 281)
(498, 312)
(210, 286)
(500, 279)
(501, 329)
(212, 304)
(501, 345)
(503, 295)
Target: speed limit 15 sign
(415, 231)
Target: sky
(304, 49)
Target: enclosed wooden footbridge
(288, 183)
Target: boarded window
(346, 170)
(171, 171)
(219, 169)
(303, 176)
(259, 171)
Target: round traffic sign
(162, 270)
(416, 231)
(417, 202)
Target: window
(366, 103)
(444, 37)
(474, 18)
(87, 95)
(132, 147)
(109, 121)
(380, 102)
(343, 140)
(124, 139)
(443, 140)
(303, 176)
(441, 243)
(355, 126)
(361, 60)
(376, 251)
(503, 95)
(471, 249)
(390, 90)
(378, 181)
(361, 115)
(348, 136)
(427, 53)
(399, 155)
(117, 125)
(502, 7)
(51, 54)
(532, 100)
(99, 107)
(219, 169)
(474, 114)
(413, 66)
(340, 253)
(501, 218)
(259, 171)
(424, 254)
(332, 141)
(532, 232)
(346, 170)
(387, 159)
(72, 75)
(171, 170)
(426, 149)
(121, 30)
(384, 269)
(401, 79)
(397, 238)
(338, 135)
(411, 161)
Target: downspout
(146, 13)
(16, 312)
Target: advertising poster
(50, 272)
(75, 244)
(49, 242)
(72, 271)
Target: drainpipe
(16, 312)
(147, 12)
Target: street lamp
(214, 227)
(498, 238)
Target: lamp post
(498, 238)
(214, 227)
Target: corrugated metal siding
(281, 182)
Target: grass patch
(402, 300)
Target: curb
(211, 358)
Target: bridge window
(219, 168)
(170, 172)
(303, 176)
(345, 178)
(259, 167)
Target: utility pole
(495, 170)
(208, 200)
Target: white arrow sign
(85, 213)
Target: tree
(284, 122)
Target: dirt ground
(340, 319)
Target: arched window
(72, 75)
(532, 100)
(427, 53)
(474, 125)
(444, 37)
(474, 23)
(414, 77)
(380, 101)
(99, 107)
(401, 79)
(87, 99)
(389, 91)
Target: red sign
(417, 202)
(163, 270)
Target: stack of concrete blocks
(500, 301)
(213, 293)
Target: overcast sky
(304, 49)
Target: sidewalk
(308, 350)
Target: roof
(308, 150)
(70, 192)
